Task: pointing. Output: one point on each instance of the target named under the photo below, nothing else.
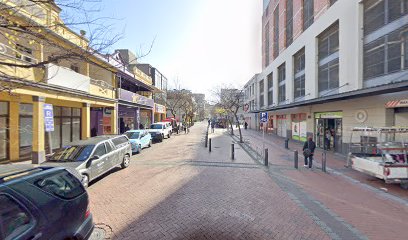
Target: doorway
(329, 131)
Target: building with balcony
(329, 66)
(160, 82)
(71, 87)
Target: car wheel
(162, 136)
(126, 161)
(85, 181)
(150, 143)
(168, 135)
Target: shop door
(26, 131)
(338, 141)
(320, 126)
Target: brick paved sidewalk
(335, 161)
(178, 190)
(374, 213)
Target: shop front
(329, 130)
(135, 111)
(299, 127)
(281, 125)
(159, 112)
(270, 126)
(400, 112)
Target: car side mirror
(95, 157)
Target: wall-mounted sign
(159, 108)
(329, 115)
(398, 103)
(48, 117)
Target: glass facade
(282, 83)
(328, 60)
(4, 115)
(299, 73)
(308, 13)
(289, 22)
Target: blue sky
(203, 43)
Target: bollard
(324, 161)
(287, 143)
(206, 139)
(296, 158)
(266, 157)
(232, 151)
(209, 146)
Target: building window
(261, 93)
(387, 54)
(282, 83)
(270, 89)
(67, 126)
(299, 73)
(329, 59)
(24, 53)
(267, 44)
(308, 13)
(378, 13)
(276, 32)
(4, 129)
(289, 22)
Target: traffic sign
(48, 117)
(264, 117)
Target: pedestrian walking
(209, 122)
(246, 125)
(212, 126)
(308, 152)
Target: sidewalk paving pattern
(178, 190)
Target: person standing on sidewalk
(212, 126)
(246, 125)
(308, 151)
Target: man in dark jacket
(308, 151)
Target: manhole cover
(101, 232)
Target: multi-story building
(200, 101)
(251, 100)
(329, 66)
(72, 87)
(160, 95)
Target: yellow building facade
(76, 88)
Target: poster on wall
(303, 131)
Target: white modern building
(331, 65)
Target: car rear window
(119, 141)
(14, 218)
(61, 184)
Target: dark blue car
(42, 203)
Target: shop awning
(365, 92)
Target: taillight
(88, 211)
(387, 171)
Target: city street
(178, 190)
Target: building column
(114, 121)
(14, 136)
(38, 153)
(85, 121)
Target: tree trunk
(239, 128)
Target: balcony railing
(65, 77)
(135, 98)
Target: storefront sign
(159, 108)
(329, 115)
(395, 104)
(136, 98)
(48, 117)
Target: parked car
(93, 157)
(139, 139)
(156, 134)
(168, 126)
(160, 128)
(42, 203)
(173, 123)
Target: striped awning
(397, 103)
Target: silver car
(93, 157)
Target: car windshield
(73, 153)
(156, 126)
(132, 135)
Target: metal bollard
(206, 139)
(232, 151)
(287, 143)
(296, 158)
(324, 161)
(209, 146)
(266, 157)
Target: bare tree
(229, 100)
(30, 37)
